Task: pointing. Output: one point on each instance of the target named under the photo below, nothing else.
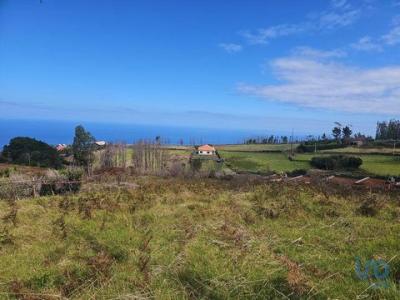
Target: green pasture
(263, 162)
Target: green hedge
(303, 148)
(336, 162)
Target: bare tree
(114, 155)
(107, 157)
(149, 157)
(121, 155)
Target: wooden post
(362, 180)
(34, 188)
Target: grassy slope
(253, 161)
(206, 240)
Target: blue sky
(273, 65)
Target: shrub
(74, 175)
(53, 183)
(28, 151)
(297, 172)
(195, 165)
(309, 148)
(67, 180)
(334, 162)
(5, 172)
(369, 207)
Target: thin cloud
(327, 85)
(339, 3)
(366, 43)
(340, 14)
(263, 36)
(231, 48)
(393, 37)
(29, 105)
(336, 19)
(318, 54)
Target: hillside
(190, 239)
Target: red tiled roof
(206, 148)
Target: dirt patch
(26, 170)
(295, 277)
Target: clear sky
(252, 64)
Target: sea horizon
(62, 132)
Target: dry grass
(171, 238)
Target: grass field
(257, 147)
(250, 158)
(263, 162)
(191, 239)
(364, 150)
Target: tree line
(31, 152)
(148, 157)
(388, 130)
(272, 139)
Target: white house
(206, 150)
(61, 147)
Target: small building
(100, 143)
(206, 150)
(358, 142)
(61, 147)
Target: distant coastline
(55, 132)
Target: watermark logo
(374, 270)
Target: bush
(28, 151)
(5, 173)
(309, 148)
(297, 172)
(195, 165)
(369, 207)
(335, 162)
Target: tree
(31, 152)
(83, 147)
(149, 157)
(336, 132)
(388, 130)
(346, 133)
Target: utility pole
(291, 144)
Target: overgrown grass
(191, 239)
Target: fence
(16, 189)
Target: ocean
(62, 132)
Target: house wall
(206, 152)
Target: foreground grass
(262, 162)
(192, 239)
